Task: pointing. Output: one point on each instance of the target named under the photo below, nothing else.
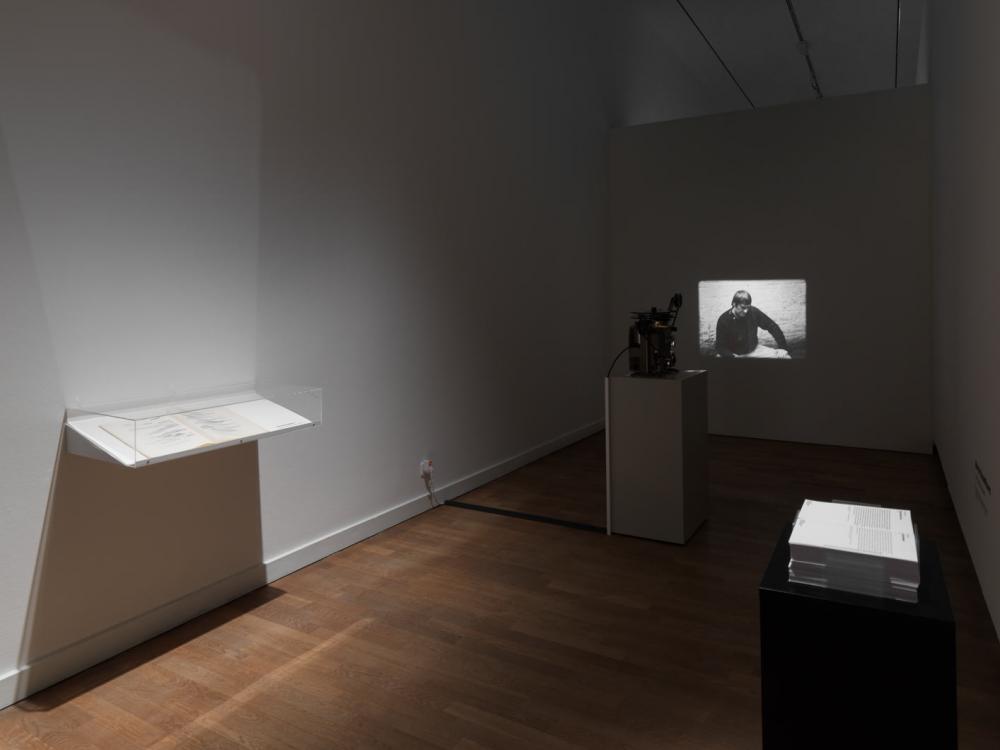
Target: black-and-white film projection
(765, 318)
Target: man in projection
(736, 331)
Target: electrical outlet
(426, 468)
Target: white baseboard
(18, 684)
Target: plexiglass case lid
(141, 433)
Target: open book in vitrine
(136, 435)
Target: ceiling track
(804, 49)
(717, 55)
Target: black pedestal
(841, 670)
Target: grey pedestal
(657, 455)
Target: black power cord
(615, 360)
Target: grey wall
(402, 203)
(966, 232)
(835, 192)
(663, 68)
(433, 230)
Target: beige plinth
(657, 455)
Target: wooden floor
(467, 630)
(567, 485)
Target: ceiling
(684, 58)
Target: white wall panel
(432, 243)
(966, 230)
(134, 155)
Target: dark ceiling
(731, 54)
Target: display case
(143, 433)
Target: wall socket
(426, 468)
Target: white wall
(31, 410)
(966, 231)
(134, 155)
(128, 262)
(403, 203)
(835, 192)
(432, 243)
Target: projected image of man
(736, 331)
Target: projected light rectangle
(760, 319)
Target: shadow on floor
(566, 487)
(128, 553)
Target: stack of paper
(858, 548)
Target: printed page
(849, 538)
(269, 415)
(220, 424)
(864, 516)
(156, 437)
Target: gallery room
(499, 374)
